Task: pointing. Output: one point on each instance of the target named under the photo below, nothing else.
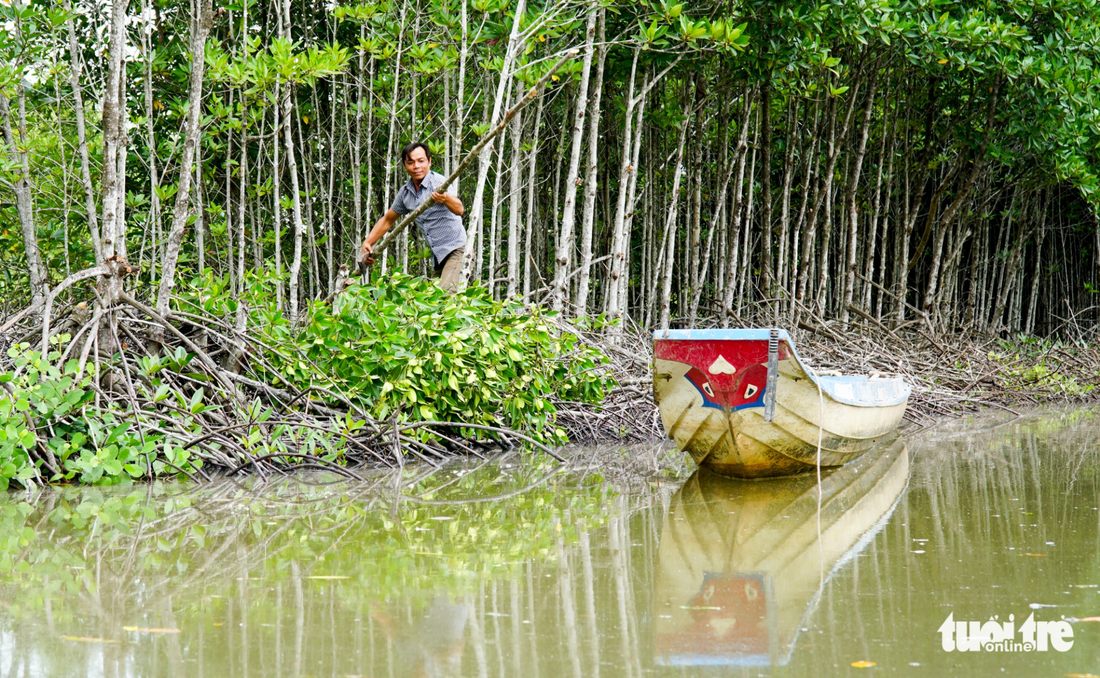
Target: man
(441, 224)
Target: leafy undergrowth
(1046, 368)
(54, 428)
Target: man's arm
(451, 201)
(384, 224)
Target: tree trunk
(941, 229)
(589, 213)
(850, 199)
(112, 181)
(559, 290)
(737, 211)
(532, 181)
(295, 193)
(477, 209)
(514, 194)
(824, 191)
(766, 195)
(669, 237)
(154, 178)
(618, 236)
(76, 67)
(36, 270)
(200, 27)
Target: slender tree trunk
(766, 195)
(295, 193)
(36, 270)
(477, 209)
(242, 193)
(357, 143)
(112, 181)
(560, 287)
(943, 225)
(692, 251)
(850, 199)
(76, 67)
(718, 219)
(669, 237)
(879, 213)
(330, 218)
(1011, 266)
(277, 195)
(631, 201)
(737, 212)
(514, 194)
(824, 192)
(532, 181)
(589, 212)
(460, 101)
(618, 236)
(746, 256)
(200, 27)
(915, 194)
(390, 161)
(785, 209)
(494, 216)
(200, 215)
(1036, 278)
(154, 179)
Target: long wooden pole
(470, 157)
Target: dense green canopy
(834, 154)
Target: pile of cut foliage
(380, 374)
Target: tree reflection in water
(570, 576)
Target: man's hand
(451, 202)
(367, 255)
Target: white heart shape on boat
(722, 366)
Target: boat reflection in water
(741, 563)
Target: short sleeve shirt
(441, 227)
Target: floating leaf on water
(138, 629)
(863, 664)
(83, 639)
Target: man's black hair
(407, 151)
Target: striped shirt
(441, 227)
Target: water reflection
(504, 570)
(741, 563)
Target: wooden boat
(741, 564)
(742, 403)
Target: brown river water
(624, 564)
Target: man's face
(417, 164)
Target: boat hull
(710, 418)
